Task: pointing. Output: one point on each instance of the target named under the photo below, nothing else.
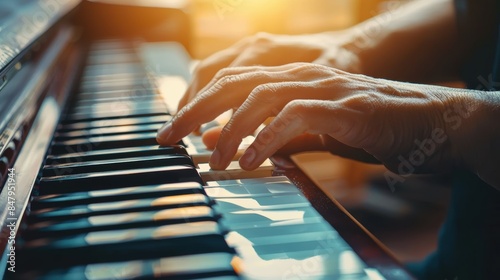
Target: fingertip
(215, 161)
(247, 160)
(164, 133)
(160, 141)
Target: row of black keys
(108, 193)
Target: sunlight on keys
(113, 236)
(112, 219)
(122, 106)
(324, 260)
(110, 192)
(112, 205)
(171, 88)
(125, 270)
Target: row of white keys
(278, 234)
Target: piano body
(88, 194)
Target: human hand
(265, 49)
(395, 122)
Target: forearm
(415, 43)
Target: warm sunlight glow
(219, 23)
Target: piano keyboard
(111, 204)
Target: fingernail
(215, 158)
(165, 130)
(248, 157)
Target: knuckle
(226, 131)
(297, 112)
(367, 102)
(225, 81)
(265, 93)
(230, 79)
(222, 73)
(305, 67)
(262, 38)
(203, 69)
(296, 107)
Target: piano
(86, 193)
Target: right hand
(330, 49)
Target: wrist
(472, 122)
(341, 50)
(369, 47)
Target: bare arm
(417, 42)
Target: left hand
(389, 120)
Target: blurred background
(219, 23)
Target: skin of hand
(352, 50)
(378, 54)
(407, 127)
(272, 50)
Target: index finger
(207, 69)
(226, 92)
(208, 105)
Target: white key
(234, 171)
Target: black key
(119, 221)
(104, 142)
(117, 207)
(114, 122)
(78, 198)
(118, 153)
(94, 59)
(153, 97)
(142, 113)
(210, 265)
(108, 131)
(118, 179)
(114, 82)
(121, 105)
(112, 69)
(157, 109)
(102, 100)
(122, 245)
(111, 46)
(115, 164)
(133, 92)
